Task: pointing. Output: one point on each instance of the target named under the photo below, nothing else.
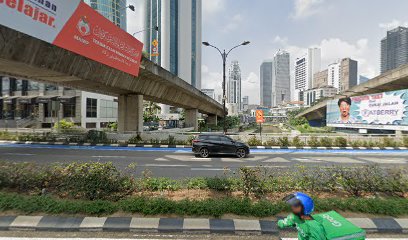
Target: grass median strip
(210, 207)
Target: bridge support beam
(212, 120)
(130, 113)
(192, 119)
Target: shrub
(283, 141)
(24, 177)
(94, 136)
(297, 142)
(160, 184)
(64, 125)
(254, 141)
(171, 140)
(326, 142)
(252, 181)
(135, 139)
(94, 181)
(340, 142)
(405, 141)
(197, 183)
(220, 184)
(388, 142)
(313, 142)
(271, 142)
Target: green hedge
(103, 181)
(211, 207)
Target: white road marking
(109, 156)
(165, 165)
(19, 154)
(210, 169)
(162, 160)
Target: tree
(151, 111)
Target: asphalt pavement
(181, 162)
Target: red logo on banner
(92, 35)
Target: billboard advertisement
(75, 26)
(388, 110)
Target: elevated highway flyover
(29, 58)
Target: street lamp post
(224, 56)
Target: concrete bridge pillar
(192, 119)
(212, 120)
(130, 113)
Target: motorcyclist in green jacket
(302, 207)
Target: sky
(341, 28)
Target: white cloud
(250, 87)
(393, 24)
(212, 6)
(306, 8)
(135, 19)
(234, 23)
(211, 80)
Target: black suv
(206, 144)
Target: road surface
(178, 163)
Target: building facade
(315, 94)
(234, 85)
(348, 74)
(266, 83)
(394, 49)
(114, 10)
(341, 75)
(280, 78)
(209, 92)
(305, 68)
(321, 79)
(178, 38)
(245, 103)
(29, 104)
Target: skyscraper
(394, 49)
(280, 78)
(179, 36)
(305, 68)
(234, 85)
(266, 83)
(114, 10)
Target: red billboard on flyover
(75, 26)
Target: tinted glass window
(214, 138)
(226, 139)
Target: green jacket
(307, 229)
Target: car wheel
(241, 153)
(204, 153)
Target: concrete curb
(188, 146)
(175, 225)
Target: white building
(234, 85)
(334, 75)
(209, 92)
(315, 94)
(280, 78)
(305, 68)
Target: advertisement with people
(387, 110)
(75, 26)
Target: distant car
(207, 144)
